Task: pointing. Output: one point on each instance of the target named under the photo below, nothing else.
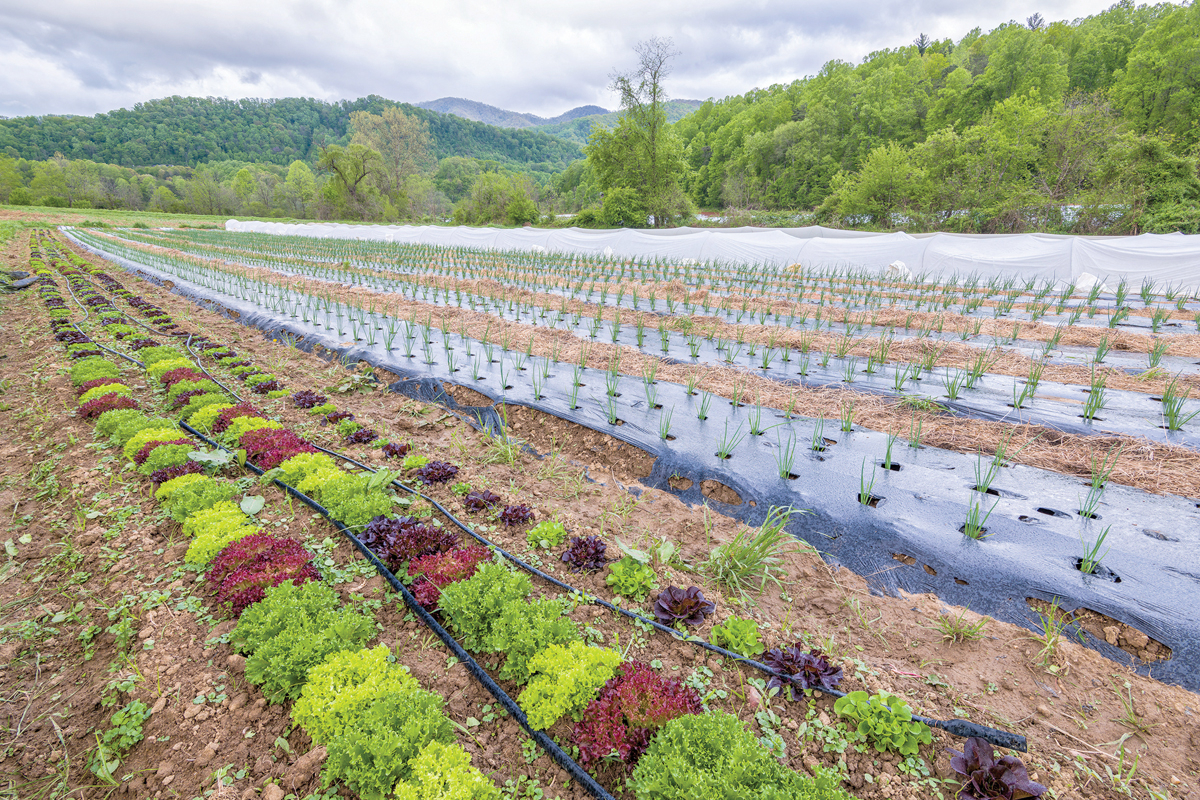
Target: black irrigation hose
(196, 358)
(87, 314)
(956, 727)
(545, 742)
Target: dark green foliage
(291, 630)
(473, 606)
(522, 630)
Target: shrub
(291, 630)
(444, 772)
(713, 755)
(564, 680)
(472, 606)
(522, 630)
(243, 571)
(631, 578)
(630, 708)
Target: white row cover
(1174, 258)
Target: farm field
(992, 490)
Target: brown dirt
(1072, 715)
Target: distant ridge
(502, 118)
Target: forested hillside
(995, 131)
(188, 131)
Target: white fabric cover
(1173, 258)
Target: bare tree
(1035, 23)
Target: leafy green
(886, 720)
(564, 680)
(291, 630)
(522, 630)
(473, 606)
(713, 756)
(739, 635)
(631, 578)
(444, 772)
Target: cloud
(538, 56)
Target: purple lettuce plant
(801, 670)
(516, 514)
(985, 777)
(682, 605)
(585, 554)
(480, 500)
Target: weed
(754, 554)
(955, 628)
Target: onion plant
(1091, 552)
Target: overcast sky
(539, 56)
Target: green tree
(403, 143)
(1160, 87)
(641, 153)
(349, 192)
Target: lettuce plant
(109, 402)
(713, 755)
(444, 772)
(738, 635)
(984, 777)
(565, 678)
(547, 533)
(307, 398)
(585, 554)
(245, 569)
(516, 514)
(688, 606)
(522, 630)
(432, 572)
(802, 670)
(397, 540)
(269, 448)
(436, 472)
(631, 578)
(473, 606)
(393, 450)
(885, 720)
(631, 707)
(480, 500)
(293, 629)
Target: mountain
(187, 131)
(482, 112)
(579, 128)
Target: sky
(537, 56)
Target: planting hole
(1028, 520)
(904, 559)
(720, 492)
(679, 483)
(992, 492)
(980, 533)
(961, 582)
(894, 467)
(1050, 512)
(1099, 571)
(929, 569)
(1155, 534)
(872, 500)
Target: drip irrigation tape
(86, 315)
(502, 697)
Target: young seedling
(785, 457)
(985, 476)
(1102, 467)
(705, 401)
(1157, 350)
(1172, 406)
(664, 424)
(1091, 552)
(887, 453)
(847, 416)
(914, 431)
(729, 441)
(954, 384)
(865, 497)
(818, 434)
(977, 519)
(1090, 504)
